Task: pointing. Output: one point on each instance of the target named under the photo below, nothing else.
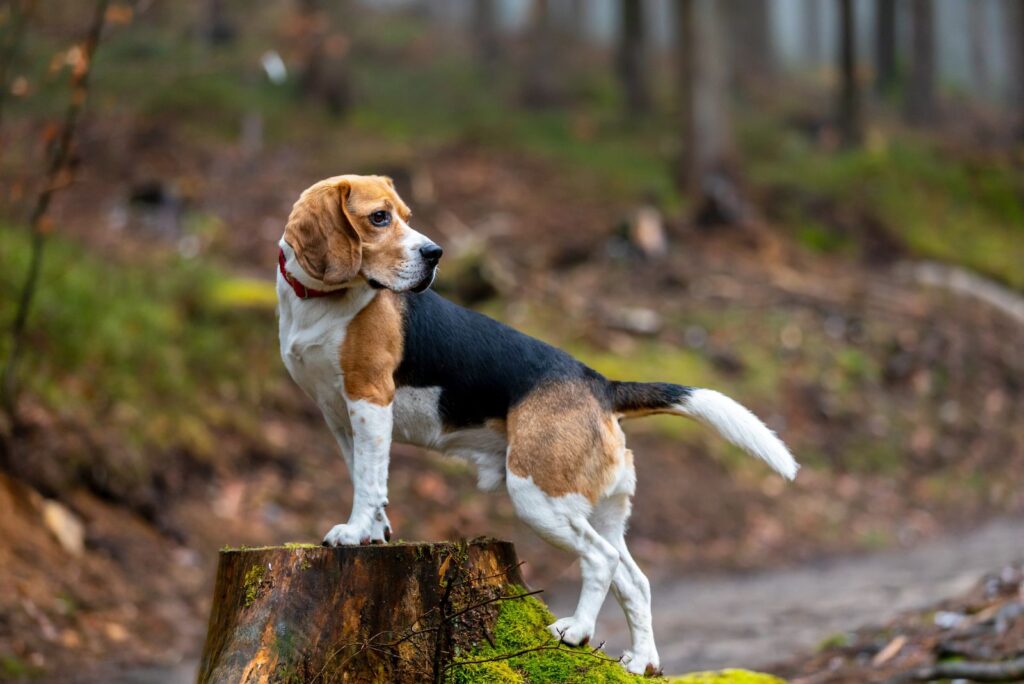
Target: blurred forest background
(816, 206)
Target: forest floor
(843, 358)
(160, 425)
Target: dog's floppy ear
(326, 243)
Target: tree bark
(541, 80)
(850, 125)
(486, 36)
(393, 613)
(885, 46)
(708, 167)
(978, 42)
(632, 73)
(921, 105)
(1015, 44)
(324, 69)
(812, 31)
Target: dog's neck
(296, 288)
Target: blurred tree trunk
(217, 27)
(324, 74)
(850, 123)
(1015, 43)
(541, 79)
(748, 35)
(578, 19)
(978, 43)
(12, 34)
(812, 31)
(486, 36)
(921, 105)
(708, 168)
(885, 46)
(631, 67)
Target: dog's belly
(418, 421)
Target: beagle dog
(385, 358)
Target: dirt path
(758, 619)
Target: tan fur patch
(372, 350)
(326, 245)
(562, 438)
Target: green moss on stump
(726, 677)
(252, 583)
(522, 625)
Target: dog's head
(347, 228)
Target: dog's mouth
(426, 282)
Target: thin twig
(59, 164)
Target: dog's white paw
(346, 535)
(572, 631)
(642, 662)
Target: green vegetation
(14, 668)
(252, 583)
(727, 677)
(522, 626)
(159, 349)
(937, 205)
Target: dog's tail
(730, 419)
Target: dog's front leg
(371, 447)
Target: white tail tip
(741, 427)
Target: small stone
(65, 526)
(945, 619)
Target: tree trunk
(978, 44)
(850, 126)
(324, 75)
(812, 32)
(885, 46)
(708, 167)
(486, 36)
(217, 27)
(921, 106)
(393, 613)
(541, 81)
(632, 72)
(1015, 43)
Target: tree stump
(394, 613)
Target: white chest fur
(311, 333)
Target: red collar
(301, 291)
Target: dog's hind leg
(629, 586)
(562, 521)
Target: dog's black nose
(431, 253)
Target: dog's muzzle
(431, 254)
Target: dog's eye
(380, 218)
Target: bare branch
(59, 163)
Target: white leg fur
(629, 585)
(371, 446)
(563, 522)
